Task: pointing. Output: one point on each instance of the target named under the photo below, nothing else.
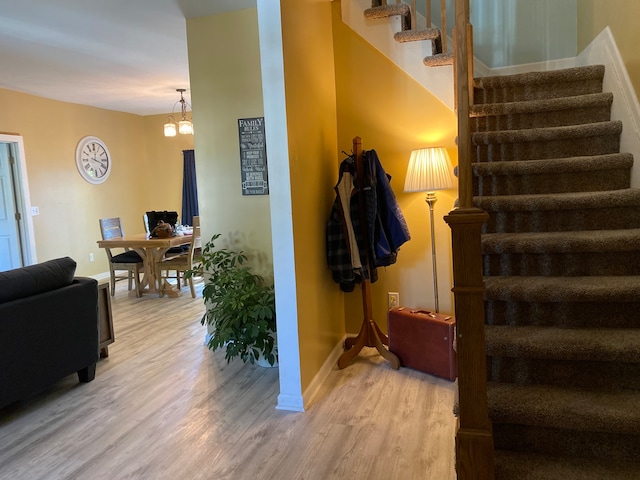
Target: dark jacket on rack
(355, 250)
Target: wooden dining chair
(127, 261)
(181, 263)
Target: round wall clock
(93, 160)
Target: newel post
(474, 438)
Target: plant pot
(262, 362)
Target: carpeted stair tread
(385, 11)
(547, 134)
(562, 242)
(572, 409)
(587, 314)
(580, 374)
(589, 344)
(559, 201)
(531, 78)
(531, 466)
(610, 161)
(542, 105)
(539, 85)
(588, 289)
(417, 35)
(438, 60)
(595, 173)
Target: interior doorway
(17, 241)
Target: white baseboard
(604, 51)
(329, 364)
(290, 403)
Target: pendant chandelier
(184, 126)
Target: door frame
(23, 199)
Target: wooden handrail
(474, 438)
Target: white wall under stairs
(407, 56)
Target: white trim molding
(330, 364)
(604, 51)
(27, 234)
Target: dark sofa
(48, 327)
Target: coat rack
(370, 334)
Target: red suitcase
(423, 340)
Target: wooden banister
(443, 24)
(474, 438)
(428, 15)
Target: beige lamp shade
(170, 129)
(429, 170)
(185, 127)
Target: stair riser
(607, 376)
(566, 442)
(578, 116)
(591, 181)
(564, 220)
(563, 314)
(521, 93)
(534, 150)
(559, 264)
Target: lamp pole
(431, 199)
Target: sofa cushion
(34, 279)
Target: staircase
(561, 267)
(561, 260)
(411, 32)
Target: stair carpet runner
(561, 259)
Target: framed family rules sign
(253, 156)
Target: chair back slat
(195, 238)
(111, 228)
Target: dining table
(151, 250)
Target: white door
(10, 254)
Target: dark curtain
(189, 188)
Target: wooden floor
(162, 406)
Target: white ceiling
(124, 55)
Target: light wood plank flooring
(163, 406)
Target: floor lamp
(430, 170)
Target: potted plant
(240, 306)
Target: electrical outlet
(393, 299)
(91, 257)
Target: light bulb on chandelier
(184, 126)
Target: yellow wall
(226, 84)
(394, 115)
(69, 206)
(165, 164)
(311, 117)
(621, 16)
